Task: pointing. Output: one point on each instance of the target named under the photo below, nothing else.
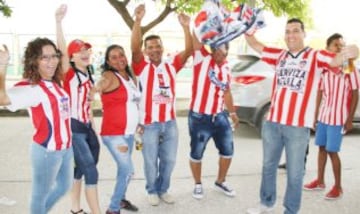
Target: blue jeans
(52, 174)
(124, 165)
(202, 127)
(295, 140)
(160, 143)
(86, 154)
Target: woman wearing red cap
(78, 83)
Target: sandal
(81, 211)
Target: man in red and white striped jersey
(292, 110)
(207, 119)
(338, 95)
(157, 105)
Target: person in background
(78, 83)
(337, 100)
(292, 110)
(120, 97)
(49, 108)
(157, 105)
(207, 118)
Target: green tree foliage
(5, 9)
(288, 8)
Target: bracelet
(232, 113)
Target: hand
(234, 119)
(140, 129)
(60, 12)
(139, 12)
(350, 52)
(314, 126)
(348, 126)
(184, 19)
(4, 56)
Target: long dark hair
(89, 69)
(106, 67)
(33, 53)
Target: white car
(251, 89)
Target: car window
(243, 64)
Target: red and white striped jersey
(336, 97)
(120, 109)
(157, 85)
(293, 98)
(79, 94)
(207, 97)
(49, 110)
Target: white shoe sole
(198, 197)
(219, 189)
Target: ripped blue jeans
(124, 165)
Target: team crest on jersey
(302, 63)
(282, 63)
(160, 99)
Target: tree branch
(167, 10)
(120, 7)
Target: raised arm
(60, 38)
(348, 52)
(4, 60)
(184, 20)
(195, 42)
(136, 34)
(254, 43)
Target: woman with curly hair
(49, 108)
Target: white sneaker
(260, 209)
(167, 198)
(7, 201)
(198, 192)
(153, 199)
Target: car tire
(261, 118)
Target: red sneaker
(314, 185)
(334, 193)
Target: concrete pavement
(244, 176)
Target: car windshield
(244, 62)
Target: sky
(99, 17)
(83, 16)
(332, 16)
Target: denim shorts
(202, 127)
(328, 136)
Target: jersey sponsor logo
(291, 78)
(163, 96)
(64, 107)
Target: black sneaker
(112, 212)
(282, 166)
(127, 205)
(223, 187)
